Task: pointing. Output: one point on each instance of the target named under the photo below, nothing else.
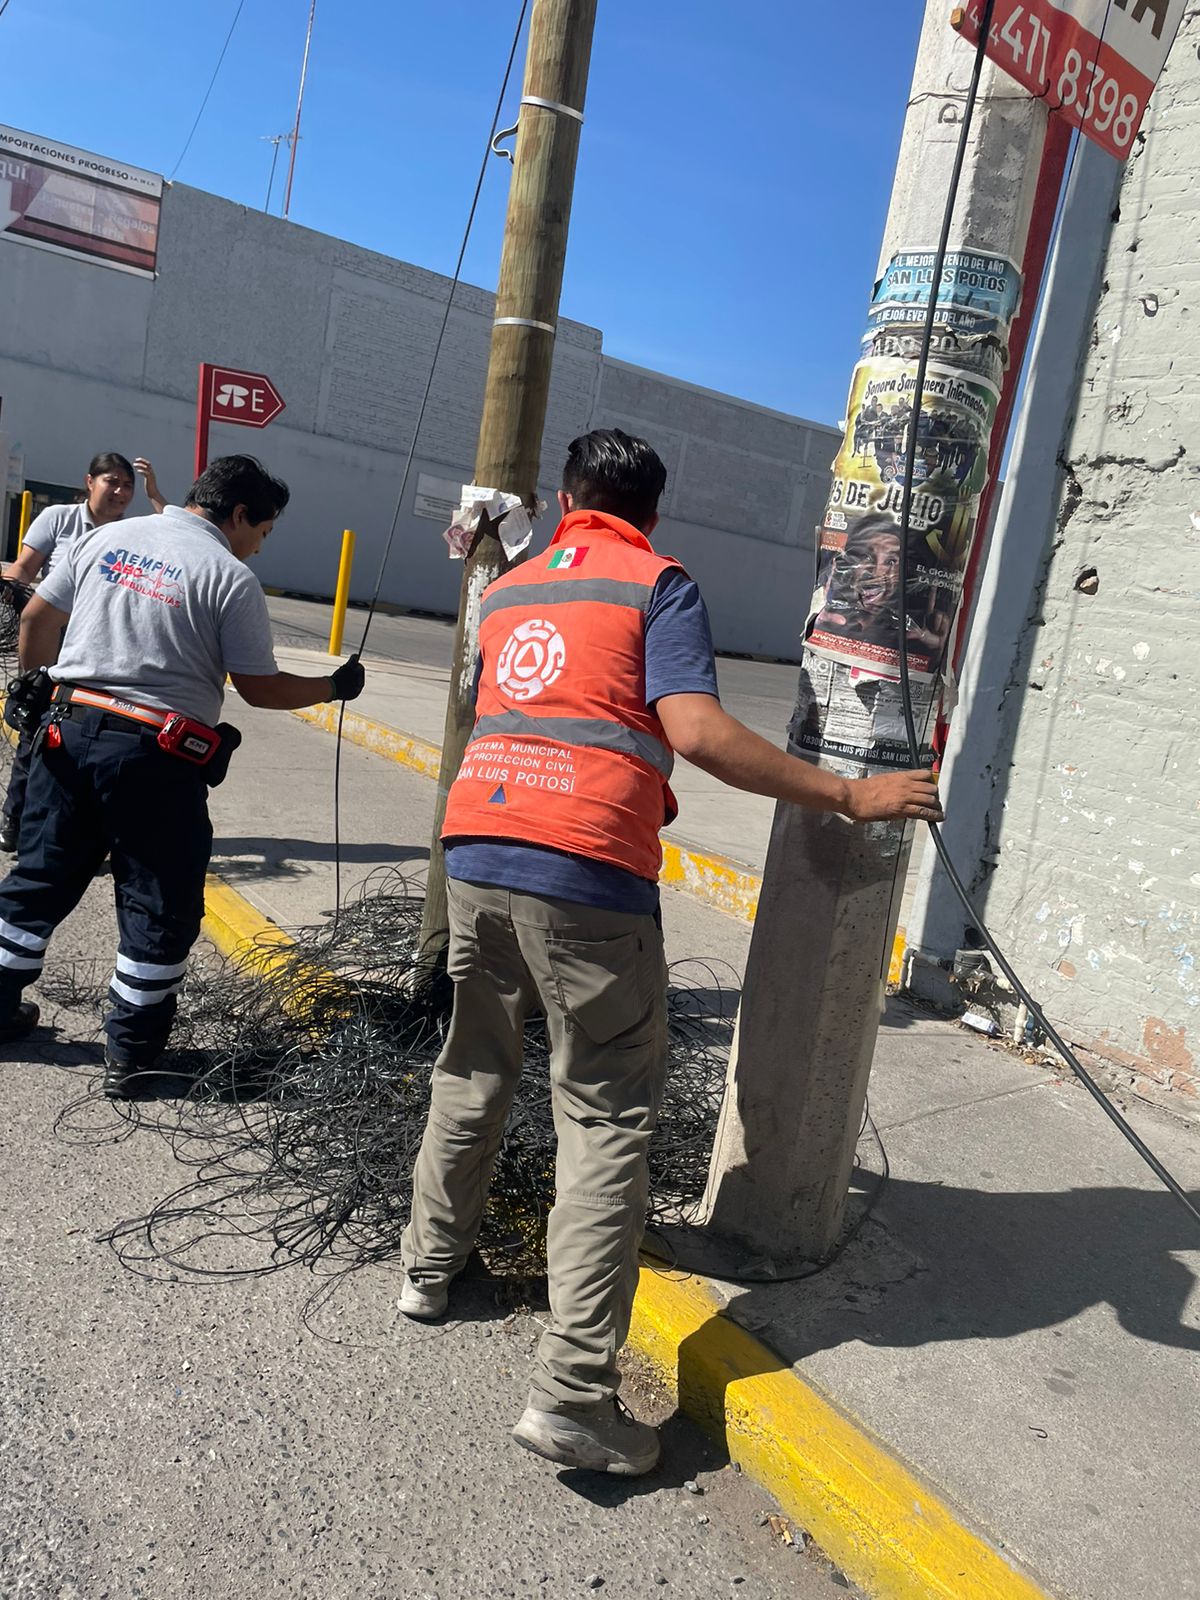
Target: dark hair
(108, 461)
(611, 471)
(232, 481)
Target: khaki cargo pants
(600, 978)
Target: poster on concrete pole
(857, 607)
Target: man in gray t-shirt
(156, 611)
(161, 609)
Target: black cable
(412, 450)
(914, 743)
(487, 153)
(207, 92)
(307, 1092)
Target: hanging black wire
(211, 85)
(412, 448)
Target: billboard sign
(1094, 61)
(78, 204)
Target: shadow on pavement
(281, 857)
(993, 1266)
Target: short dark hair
(110, 461)
(611, 471)
(232, 481)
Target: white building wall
(93, 359)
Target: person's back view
(596, 666)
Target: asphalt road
(168, 1437)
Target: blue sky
(733, 177)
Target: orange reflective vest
(565, 752)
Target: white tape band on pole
(551, 105)
(522, 322)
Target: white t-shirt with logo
(161, 609)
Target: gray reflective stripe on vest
(551, 592)
(592, 732)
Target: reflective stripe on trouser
(109, 790)
(601, 980)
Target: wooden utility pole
(518, 378)
(818, 961)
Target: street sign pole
(203, 407)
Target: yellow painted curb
(710, 877)
(262, 949)
(713, 878)
(239, 931)
(883, 1527)
(403, 748)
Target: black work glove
(347, 682)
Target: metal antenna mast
(274, 140)
(293, 136)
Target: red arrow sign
(225, 394)
(248, 398)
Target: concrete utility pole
(817, 968)
(518, 377)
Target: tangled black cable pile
(309, 1068)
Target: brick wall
(1095, 830)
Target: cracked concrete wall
(1096, 884)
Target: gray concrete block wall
(1096, 888)
(96, 359)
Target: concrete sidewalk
(1018, 1322)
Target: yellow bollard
(26, 518)
(342, 597)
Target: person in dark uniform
(156, 611)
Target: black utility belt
(178, 734)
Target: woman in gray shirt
(109, 490)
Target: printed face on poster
(857, 609)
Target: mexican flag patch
(572, 556)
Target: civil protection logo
(531, 660)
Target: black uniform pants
(18, 782)
(108, 789)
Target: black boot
(123, 1080)
(10, 833)
(20, 1024)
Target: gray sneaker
(423, 1302)
(603, 1438)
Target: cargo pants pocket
(603, 985)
